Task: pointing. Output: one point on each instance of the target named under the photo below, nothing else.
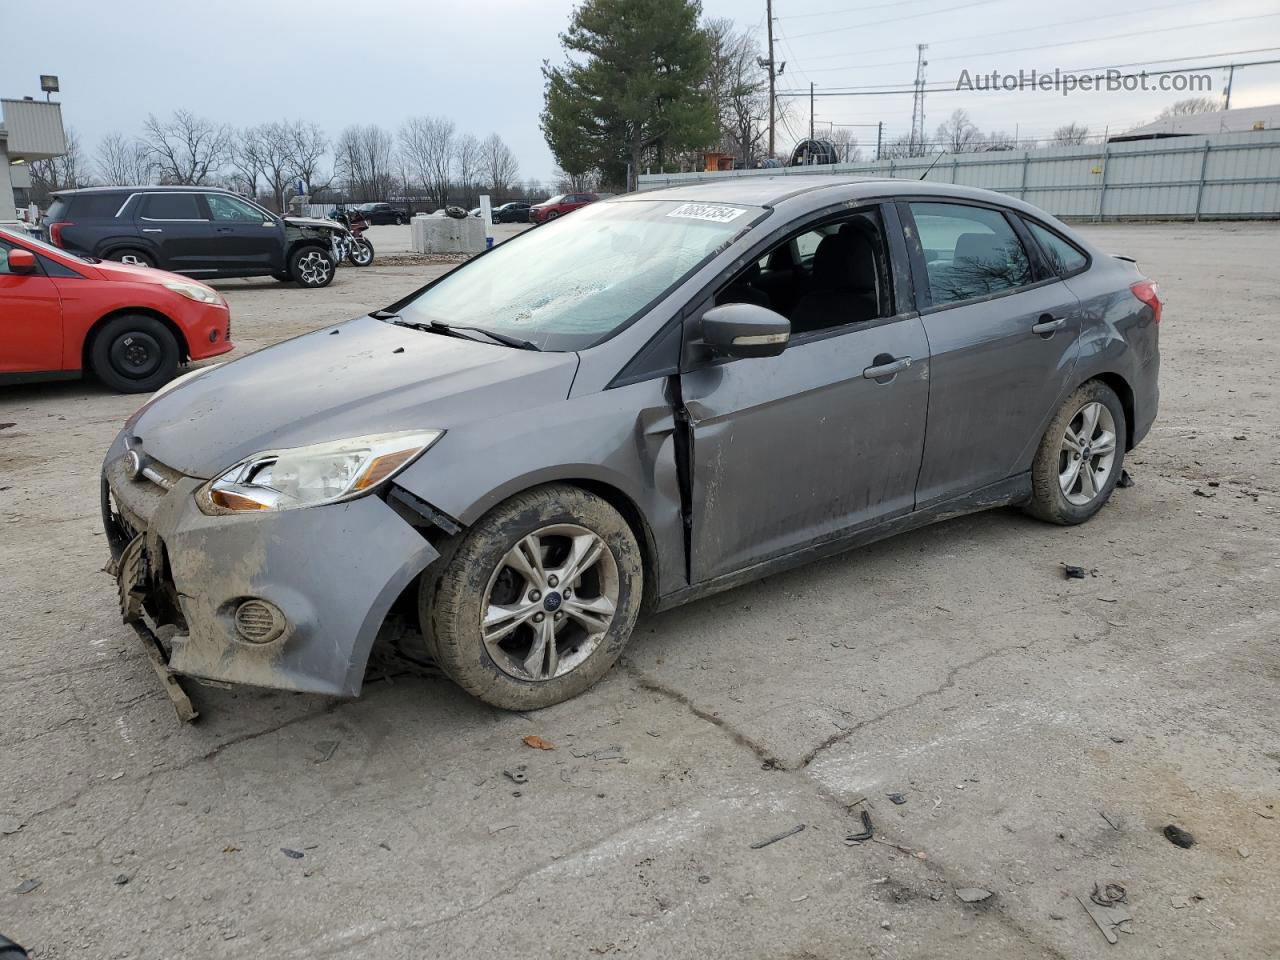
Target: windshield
(38, 244)
(576, 281)
(558, 198)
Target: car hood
(132, 273)
(315, 223)
(361, 377)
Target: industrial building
(30, 130)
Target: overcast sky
(248, 61)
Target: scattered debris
(325, 750)
(121, 879)
(517, 775)
(1109, 919)
(6, 426)
(1244, 852)
(384, 845)
(972, 894)
(292, 854)
(601, 753)
(1267, 814)
(1109, 894)
(537, 743)
(1114, 824)
(26, 886)
(704, 879)
(500, 828)
(866, 834)
(230, 848)
(1116, 739)
(897, 798)
(1073, 572)
(1202, 493)
(1181, 903)
(918, 854)
(1240, 436)
(1125, 480)
(1178, 837)
(781, 836)
(800, 899)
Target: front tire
(135, 353)
(538, 599)
(311, 267)
(361, 252)
(1080, 458)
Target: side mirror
(743, 330)
(21, 261)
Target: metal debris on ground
(10, 825)
(867, 833)
(292, 854)
(325, 750)
(121, 879)
(1178, 837)
(1204, 493)
(1111, 919)
(1109, 894)
(897, 798)
(781, 836)
(1072, 572)
(1125, 480)
(538, 743)
(26, 886)
(517, 775)
(1114, 822)
(972, 894)
(601, 753)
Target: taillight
(1148, 291)
(55, 232)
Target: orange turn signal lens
(233, 501)
(382, 467)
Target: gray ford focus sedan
(664, 395)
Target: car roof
(145, 188)
(769, 191)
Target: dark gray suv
(665, 395)
(199, 231)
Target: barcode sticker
(707, 211)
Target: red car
(559, 206)
(61, 314)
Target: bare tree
(959, 134)
(739, 91)
(426, 143)
(186, 149)
(999, 140)
(273, 149)
(123, 161)
(362, 157)
(245, 158)
(306, 146)
(1189, 106)
(1071, 134)
(466, 155)
(900, 147)
(846, 145)
(498, 166)
(67, 171)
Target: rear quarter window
(95, 206)
(1064, 257)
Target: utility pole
(768, 9)
(879, 138)
(810, 109)
(917, 101)
(1231, 74)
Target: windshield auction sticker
(707, 211)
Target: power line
(1076, 71)
(913, 16)
(1001, 33)
(833, 13)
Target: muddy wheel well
(639, 526)
(86, 350)
(1122, 389)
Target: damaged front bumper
(328, 575)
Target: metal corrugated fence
(1227, 175)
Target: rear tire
(1080, 458)
(569, 617)
(134, 353)
(361, 252)
(311, 267)
(136, 257)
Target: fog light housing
(259, 621)
(213, 336)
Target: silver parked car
(665, 395)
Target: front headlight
(309, 476)
(196, 292)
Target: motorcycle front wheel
(361, 253)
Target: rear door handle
(889, 369)
(224, 230)
(152, 230)
(1048, 324)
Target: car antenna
(934, 164)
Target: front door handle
(1048, 324)
(887, 367)
(152, 230)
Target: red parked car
(62, 314)
(559, 206)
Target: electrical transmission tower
(917, 103)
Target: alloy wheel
(550, 602)
(1088, 453)
(314, 268)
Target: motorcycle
(353, 245)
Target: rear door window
(969, 252)
(1064, 257)
(172, 206)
